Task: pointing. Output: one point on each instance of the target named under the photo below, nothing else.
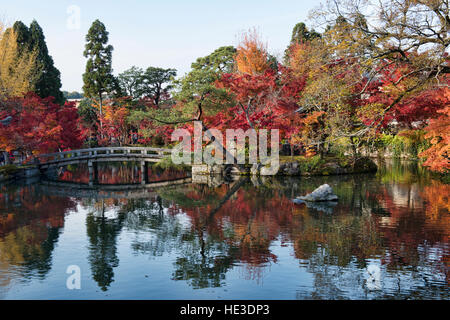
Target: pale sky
(168, 34)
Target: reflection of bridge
(104, 191)
(110, 154)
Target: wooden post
(93, 173)
(6, 157)
(144, 172)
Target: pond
(386, 238)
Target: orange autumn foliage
(438, 131)
(251, 54)
(437, 199)
(300, 59)
(311, 128)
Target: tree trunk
(354, 148)
(101, 113)
(101, 110)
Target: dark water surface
(386, 238)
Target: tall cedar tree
(98, 78)
(48, 80)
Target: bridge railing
(106, 151)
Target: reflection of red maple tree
(255, 224)
(30, 208)
(251, 225)
(409, 228)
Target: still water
(386, 238)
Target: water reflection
(387, 237)
(30, 224)
(103, 232)
(117, 173)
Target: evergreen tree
(23, 35)
(198, 86)
(48, 82)
(98, 78)
(131, 82)
(300, 33)
(156, 84)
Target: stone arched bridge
(109, 154)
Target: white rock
(322, 193)
(373, 281)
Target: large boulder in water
(322, 193)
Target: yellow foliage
(23, 243)
(16, 67)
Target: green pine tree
(300, 33)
